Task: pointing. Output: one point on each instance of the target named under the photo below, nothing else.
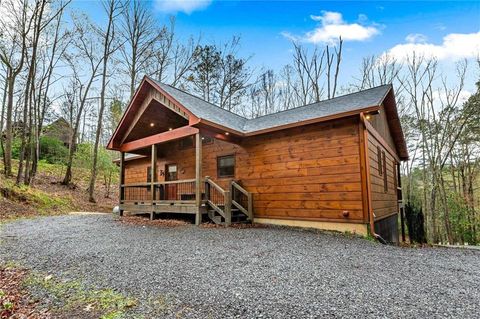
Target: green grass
(69, 295)
(44, 203)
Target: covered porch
(175, 181)
(170, 173)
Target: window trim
(379, 160)
(218, 165)
(385, 175)
(167, 179)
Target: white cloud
(332, 26)
(454, 46)
(187, 6)
(416, 38)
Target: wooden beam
(153, 177)
(111, 144)
(146, 102)
(121, 194)
(364, 161)
(198, 178)
(159, 138)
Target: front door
(171, 175)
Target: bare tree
(140, 34)
(113, 9)
(234, 76)
(13, 51)
(337, 57)
(52, 55)
(38, 14)
(378, 70)
(309, 72)
(182, 61)
(87, 54)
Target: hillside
(48, 197)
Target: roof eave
(314, 120)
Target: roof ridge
(318, 102)
(271, 114)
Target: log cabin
(331, 165)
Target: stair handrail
(227, 198)
(246, 210)
(212, 183)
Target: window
(226, 166)
(379, 160)
(149, 174)
(171, 172)
(385, 181)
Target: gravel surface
(197, 272)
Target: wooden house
(60, 129)
(331, 165)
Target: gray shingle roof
(341, 104)
(205, 110)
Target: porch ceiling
(162, 119)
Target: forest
(56, 62)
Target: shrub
(52, 150)
(415, 223)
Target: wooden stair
(237, 217)
(225, 206)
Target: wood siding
(380, 123)
(308, 173)
(384, 199)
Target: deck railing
(220, 201)
(136, 192)
(181, 190)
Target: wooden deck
(182, 207)
(180, 197)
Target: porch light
(170, 128)
(368, 116)
(152, 124)
(226, 133)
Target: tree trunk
(8, 128)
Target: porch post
(198, 178)
(121, 193)
(153, 178)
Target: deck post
(228, 206)
(153, 178)
(250, 206)
(121, 194)
(198, 178)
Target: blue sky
(449, 30)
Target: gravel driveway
(249, 273)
